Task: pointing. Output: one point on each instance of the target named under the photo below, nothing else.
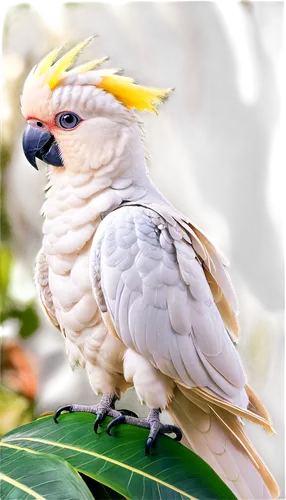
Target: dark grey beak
(41, 144)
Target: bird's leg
(152, 422)
(103, 408)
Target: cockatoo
(140, 294)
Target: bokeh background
(215, 153)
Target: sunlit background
(215, 153)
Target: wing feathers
(161, 266)
(232, 408)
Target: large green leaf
(26, 475)
(119, 462)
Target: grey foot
(103, 408)
(152, 422)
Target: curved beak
(41, 144)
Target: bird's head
(77, 116)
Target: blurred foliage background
(215, 154)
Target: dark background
(215, 153)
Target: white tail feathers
(217, 436)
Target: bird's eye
(67, 120)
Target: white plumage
(140, 294)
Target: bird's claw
(97, 421)
(60, 410)
(103, 408)
(179, 434)
(152, 422)
(148, 445)
(114, 423)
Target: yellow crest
(65, 62)
(124, 89)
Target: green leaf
(173, 472)
(29, 322)
(29, 475)
(7, 263)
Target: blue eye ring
(67, 120)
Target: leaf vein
(108, 459)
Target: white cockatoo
(140, 294)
